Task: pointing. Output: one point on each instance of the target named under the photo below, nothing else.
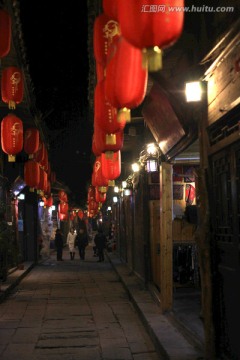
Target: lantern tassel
(11, 105)
(124, 114)
(11, 158)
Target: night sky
(55, 37)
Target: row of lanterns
(37, 170)
(127, 39)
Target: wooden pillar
(166, 247)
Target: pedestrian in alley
(100, 242)
(71, 243)
(59, 244)
(82, 242)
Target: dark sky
(55, 36)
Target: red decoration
(91, 193)
(80, 214)
(5, 33)
(49, 201)
(39, 154)
(62, 196)
(11, 136)
(12, 86)
(62, 217)
(111, 164)
(63, 207)
(99, 196)
(31, 141)
(110, 8)
(44, 161)
(31, 174)
(105, 115)
(126, 75)
(100, 72)
(107, 142)
(105, 29)
(147, 25)
(97, 177)
(43, 183)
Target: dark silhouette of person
(59, 244)
(82, 242)
(100, 242)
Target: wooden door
(225, 215)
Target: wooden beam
(166, 247)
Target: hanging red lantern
(91, 193)
(62, 217)
(107, 142)
(126, 75)
(11, 136)
(62, 196)
(49, 201)
(31, 174)
(80, 214)
(31, 141)
(104, 30)
(99, 196)
(44, 161)
(105, 115)
(100, 72)
(43, 183)
(148, 29)
(110, 8)
(63, 207)
(5, 33)
(97, 177)
(39, 154)
(12, 86)
(111, 164)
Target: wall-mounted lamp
(193, 91)
(151, 165)
(127, 192)
(135, 167)
(116, 189)
(21, 197)
(124, 184)
(115, 199)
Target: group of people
(79, 240)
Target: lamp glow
(193, 91)
(135, 167)
(115, 199)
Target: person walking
(100, 242)
(82, 242)
(71, 243)
(59, 244)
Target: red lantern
(11, 136)
(80, 214)
(105, 29)
(62, 217)
(62, 196)
(44, 161)
(99, 196)
(39, 154)
(110, 8)
(126, 75)
(144, 28)
(31, 141)
(43, 183)
(12, 86)
(97, 177)
(49, 201)
(107, 142)
(105, 115)
(31, 174)
(91, 193)
(100, 72)
(111, 164)
(5, 33)
(63, 207)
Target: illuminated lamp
(111, 164)
(62, 196)
(31, 141)
(5, 33)
(31, 174)
(105, 115)
(104, 30)
(193, 91)
(11, 136)
(110, 8)
(12, 86)
(150, 30)
(126, 76)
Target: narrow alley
(72, 310)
